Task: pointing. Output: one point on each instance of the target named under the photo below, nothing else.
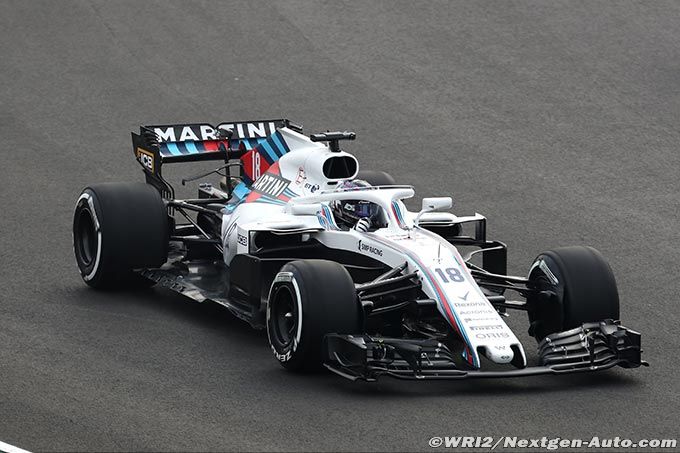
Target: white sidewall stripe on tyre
(287, 277)
(298, 334)
(86, 196)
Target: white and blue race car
(328, 259)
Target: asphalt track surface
(557, 120)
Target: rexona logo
(272, 185)
(363, 247)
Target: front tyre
(307, 300)
(572, 286)
(119, 227)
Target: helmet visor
(365, 209)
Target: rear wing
(156, 145)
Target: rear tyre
(118, 227)
(307, 300)
(574, 285)
(376, 178)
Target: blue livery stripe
(174, 150)
(241, 190)
(322, 221)
(289, 192)
(329, 215)
(269, 200)
(280, 144)
(267, 147)
(191, 147)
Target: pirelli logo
(271, 185)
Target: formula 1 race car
(295, 239)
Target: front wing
(591, 347)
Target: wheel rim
(285, 316)
(86, 238)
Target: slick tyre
(307, 300)
(376, 178)
(119, 227)
(573, 286)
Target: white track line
(7, 448)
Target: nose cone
(498, 355)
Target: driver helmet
(351, 211)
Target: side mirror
(305, 208)
(434, 204)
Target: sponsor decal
(311, 187)
(363, 247)
(201, 132)
(270, 184)
(283, 277)
(470, 304)
(242, 239)
(397, 236)
(145, 158)
(477, 312)
(491, 335)
(479, 319)
(496, 327)
(300, 177)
